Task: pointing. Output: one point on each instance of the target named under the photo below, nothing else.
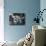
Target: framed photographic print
(17, 19)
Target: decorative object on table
(28, 40)
(39, 16)
(17, 19)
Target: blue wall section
(29, 7)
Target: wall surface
(1, 21)
(43, 6)
(29, 7)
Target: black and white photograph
(17, 19)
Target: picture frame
(17, 19)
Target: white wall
(43, 6)
(1, 21)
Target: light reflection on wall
(1, 21)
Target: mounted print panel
(17, 19)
